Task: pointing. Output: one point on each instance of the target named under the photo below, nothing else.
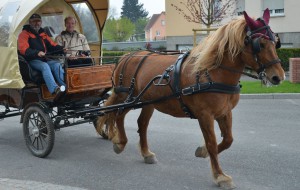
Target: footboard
(85, 80)
(89, 78)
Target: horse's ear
(250, 22)
(266, 16)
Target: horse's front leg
(143, 122)
(225, 124)
(207, 127)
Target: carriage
(22, 89)
(202, 84)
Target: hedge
(112, 56)
(283, 53)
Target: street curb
(271, 96)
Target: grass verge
(255, 87)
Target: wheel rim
(37, 132)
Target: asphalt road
(265, 154)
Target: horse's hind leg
(143, 122)
(207, 127)
(225, 124)
(120, 140)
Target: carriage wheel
(38, 131)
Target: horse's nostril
(275, 80)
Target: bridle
(254, 38)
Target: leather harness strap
(176, 84)
(210, 86)
(178, 92)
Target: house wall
(160, 26)
(178, 27)
(179, 31)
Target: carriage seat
(29, 75)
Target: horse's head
(260, 41)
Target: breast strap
(198, 87)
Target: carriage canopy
(15, 13)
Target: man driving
(34, 44)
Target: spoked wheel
(38, 130)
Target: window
(8, 10)
(157, 33)
(163, 22)
(87, 20)
(55, 22)
(276, 7)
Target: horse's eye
(262, 45)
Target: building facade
(156, 28)
(284, 15)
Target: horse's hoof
(201, 152)
(150, 159)
(117, 149)
(227, 185)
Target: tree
(140, 28)
(206, 12)
(132, 10)
(118, 30)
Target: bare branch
(206, 12)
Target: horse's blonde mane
(229, 39)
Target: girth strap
(176, 84)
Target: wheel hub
(36, 132)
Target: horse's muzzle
(275, 80)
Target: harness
(178, 91)
(254, 38)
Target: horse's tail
(105, 125)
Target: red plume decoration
(259, 27)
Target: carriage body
(22, 90)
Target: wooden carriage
(22, 90)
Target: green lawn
(255, 87)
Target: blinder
(256, 45)
(254, 38)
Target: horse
(202, 84)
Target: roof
(153, 20)
(15, 13)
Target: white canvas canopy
(15, 13)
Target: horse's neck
(229, 72)
(231, 75)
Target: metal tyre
(38, 131)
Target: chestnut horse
(205, 87)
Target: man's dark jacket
(30, 43)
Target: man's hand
(72, 57)
(65, 50)
(41, 54)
